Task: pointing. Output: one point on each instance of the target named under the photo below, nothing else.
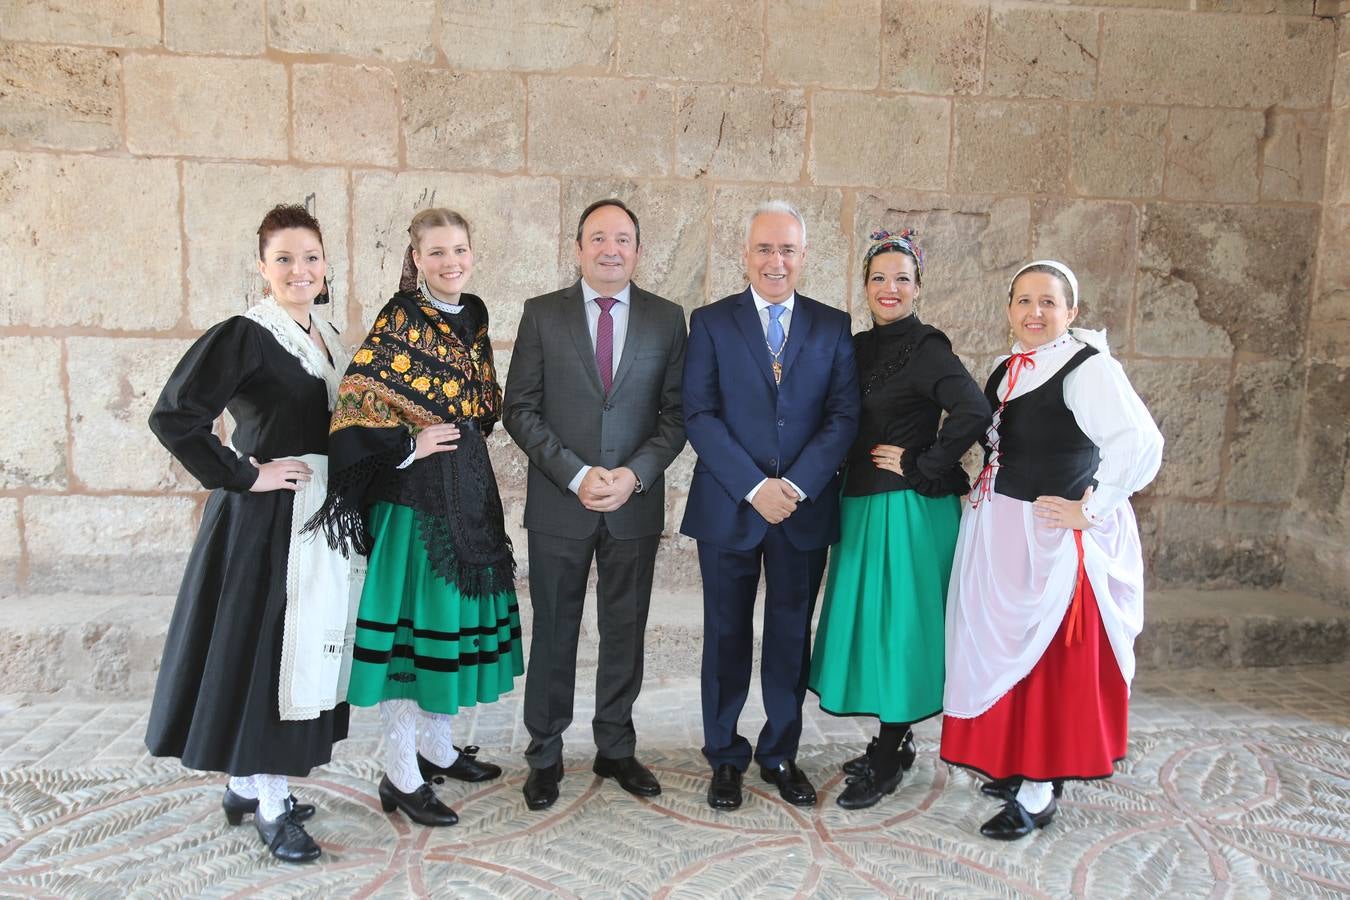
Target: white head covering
(1058, 267)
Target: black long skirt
(215, 704)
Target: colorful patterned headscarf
(905, 242)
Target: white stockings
(1035, 796)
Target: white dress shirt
(785, 320)
(618, 312)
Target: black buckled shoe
(287, 838)
(466, 767)
(541, 786)
(724, 791)
(862, 791)
(908, 753)
(1013, 821)
(792, 783)
(1006, 788)
(236, 806)
(422, 805)
(632, 776)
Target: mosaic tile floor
(1237, 785)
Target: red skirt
(1068, 719)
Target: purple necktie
(604, 342)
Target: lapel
(798, 333)
(747, 317)
(637, 320)
(574, 315)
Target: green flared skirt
(880, 639)
(418, 638)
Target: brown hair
(610, 201)
(1054, 273)
(283, 216)
(422, 222)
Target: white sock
(400, 744)
(433, 738)
(1035, 796)
(272, 793)
(243, 786)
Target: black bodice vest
(1041, 450)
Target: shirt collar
(761, 304)
(589, 293)
(1064, 340)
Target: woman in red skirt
(1047, 590)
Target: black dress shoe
(633, 776)
(1013, 821)
(908, 753)
(466, 767)
(793, 785)
(235, 806)
(862, 791)
(724, 791)
(422, 805)
(287, 838)
(1006, 788)
(541, 787)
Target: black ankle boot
(422, 805)
(287, 838)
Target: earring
(1012, 337)
(267, 289)
(325, 295)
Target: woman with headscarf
(1047, 593)
(254, 662)
(412, 487)
(879, 640)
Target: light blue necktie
(776, 336)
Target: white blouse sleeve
(1113, 417)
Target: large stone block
(628, 131)
(527, 34)
(1214, 154)
(354, 28)
(828, 43)
(233, 27)
(113, 23)
(197, 106)
(84, 248)
(740, 133)
(1329, 321)
(107, 544)
(1168, 320)
(1215, 546)
(972, 245)
(826, 266)
(223, 204)
(848, 147)
(701, 40)
(675, 233)
(1041, 53)
(10, 546)
(1294, 156)
(33, 449)
(1097, 239)
(1189, 401)
(1337, 186)
(1211, 60)
(1250, 267)
(1325, 445)
(1266, 401)
(32, 661)
(461, 120)
(1118, 151)
(67, 97)
(114, 383)
(515, 227)
(933, 48)
(1010, 146)
(345, 114)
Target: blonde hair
(436, 217)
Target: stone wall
(1175, 155)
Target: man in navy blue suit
(771, 407)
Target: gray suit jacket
(556, 410)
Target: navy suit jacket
(745, 428)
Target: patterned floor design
(1247, 796)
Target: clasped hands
(775, 500)
(605, 490)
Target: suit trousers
(730, 583)
(559, 568)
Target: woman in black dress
(216, 704)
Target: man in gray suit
(593, 398)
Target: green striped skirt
(418, 638)
(881, 637)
